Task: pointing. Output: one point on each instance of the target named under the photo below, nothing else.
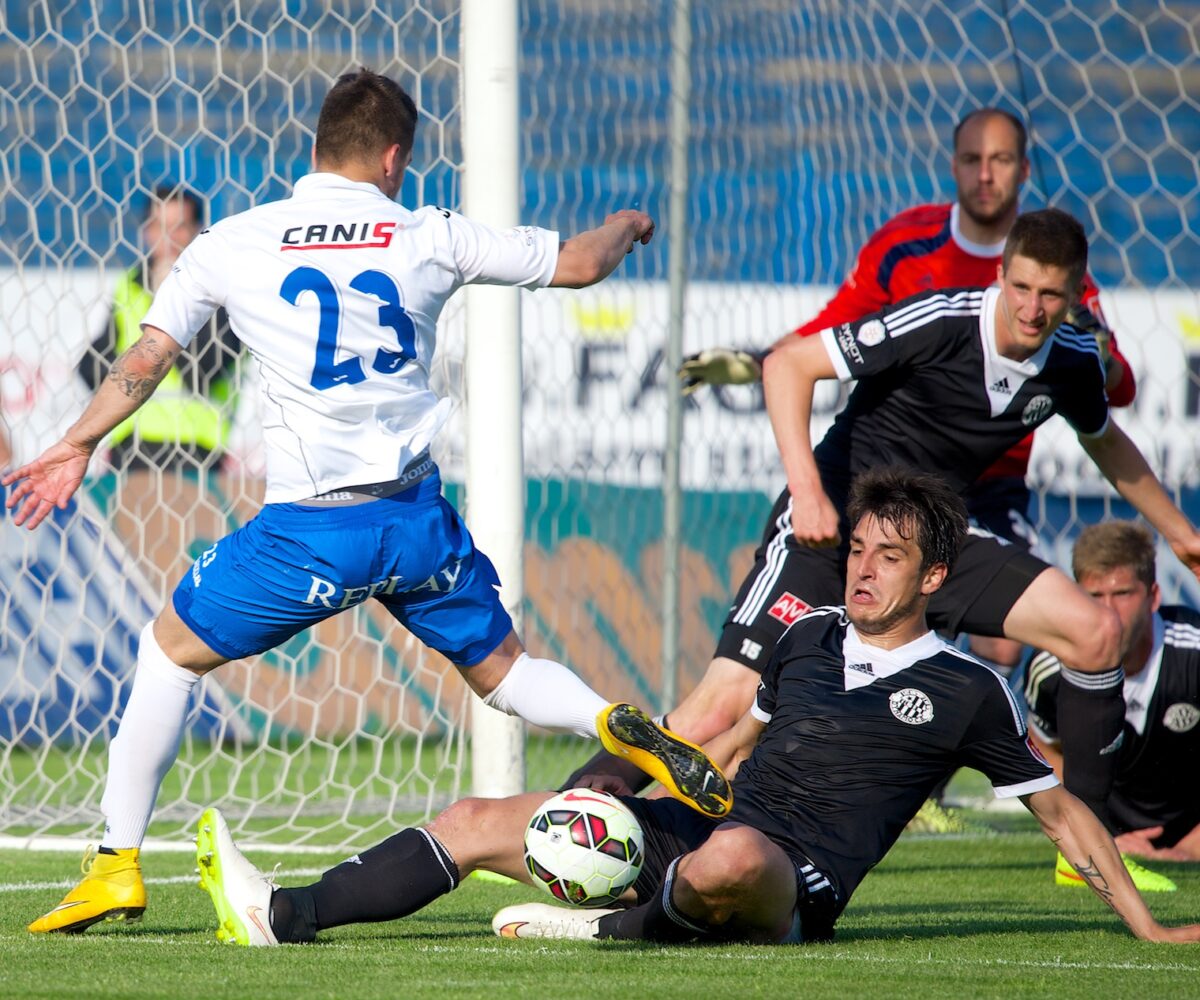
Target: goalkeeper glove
(720, 366)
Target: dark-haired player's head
(907, 528)
(1114, 563)
(1041, 276)
(990, 165)
(365, 119)
(1052, 238)
(173, 218)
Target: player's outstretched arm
(51, 480)
(592, 256)
(790, 373)
(1085, 843)
(1125, 467)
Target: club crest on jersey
(789, 608)
(911, 706)
(1181, 717)
(1037, 410)
(871, 333)
(352, 236)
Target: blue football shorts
(293, 566)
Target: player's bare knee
(463, 818)
(1096, 644)
(733, 860)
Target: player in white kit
(336, 293)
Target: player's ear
(1155, 596)
(934, 577)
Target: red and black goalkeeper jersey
(920, 250)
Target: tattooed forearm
(137, 372)
(1096, 880)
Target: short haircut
(363, 115)
(1102, 548)
(173, 192)
(1051, 237)
(917, 505)
(1008, 116)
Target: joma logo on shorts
(329, 594)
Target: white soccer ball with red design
(584, 847)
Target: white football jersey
(336, 292)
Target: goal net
(811, 123)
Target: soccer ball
(584, 847)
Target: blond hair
(1102, 548)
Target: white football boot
(541, 920)
(240, 893)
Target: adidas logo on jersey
(1001, 385)
(861, 668)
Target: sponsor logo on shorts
(1181, 717)
(789, 608)
(1037, 410)
(845, 340)
(751, 650)
(872, 333)
(332, 596)
(911, 706)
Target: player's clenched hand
(46, 483)
(1187, 549)
(1140, 843)
(719, 366)
(640, 223)
(814, 519)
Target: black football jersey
(934, 394)
(858, 736)
(1157, 782)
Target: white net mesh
(812, 123)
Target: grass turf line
(938, 918)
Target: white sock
(146, 743)
(548, 695)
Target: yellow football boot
(1143, 878)
(111, 889)
(682, 767)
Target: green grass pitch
(940, 917)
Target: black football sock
(393, 879)
(1091, 717)
(658, 920)
(637, 784)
